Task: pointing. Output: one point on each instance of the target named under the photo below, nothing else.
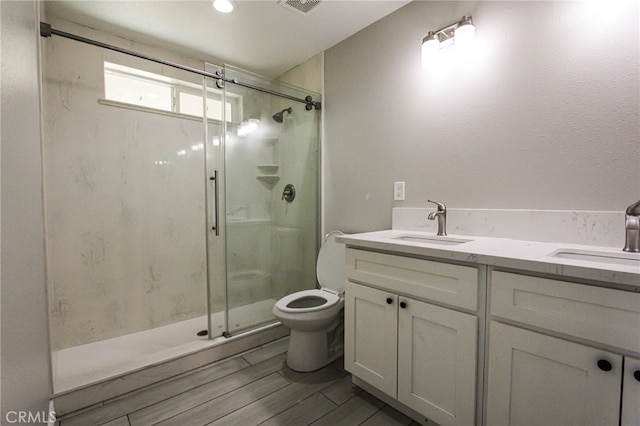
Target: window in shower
(189, 101)
(132, 90)
(141, 88)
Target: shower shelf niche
(268, 169)
(268, 162)
(268, 178)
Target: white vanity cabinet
(407, 333)
(558, 353)
(630, 413)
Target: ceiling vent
(301, 7)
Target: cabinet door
(631, 392)
(535, 379)
(437, 362)
(370, 335)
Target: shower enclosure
(168, 228)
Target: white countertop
(507, 253)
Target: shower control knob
(289, 193)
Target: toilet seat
(330, 299)
(330, 271)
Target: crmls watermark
(30, 417)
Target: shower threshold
(84, 365)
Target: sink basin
(435, 239)
(621, 258)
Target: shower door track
(46, 31)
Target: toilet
(316, 317)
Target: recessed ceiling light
(223, 6)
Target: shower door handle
(216, 226)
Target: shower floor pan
(83, 365)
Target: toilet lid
(330, 268)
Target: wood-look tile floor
(255, 388)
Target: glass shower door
(124, 196)
(271, 240)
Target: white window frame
(232, 105)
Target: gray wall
(545, 116)
(25, 352)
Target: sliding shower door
(271, 239)
(124, 183)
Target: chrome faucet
(441, 214)
(632, 228)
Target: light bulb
(430, 49)
(223, 6)
(465, 33)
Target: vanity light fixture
(461, 32)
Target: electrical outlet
(398, 191)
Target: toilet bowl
(316, 317)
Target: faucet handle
(441, 206)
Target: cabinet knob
(636, 375)
(389, 300)
(403, 305)
(604, 365)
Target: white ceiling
(260, 35)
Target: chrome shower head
(278, 117)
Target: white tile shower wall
(124, 207)
(562, 226)
(288, 267)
